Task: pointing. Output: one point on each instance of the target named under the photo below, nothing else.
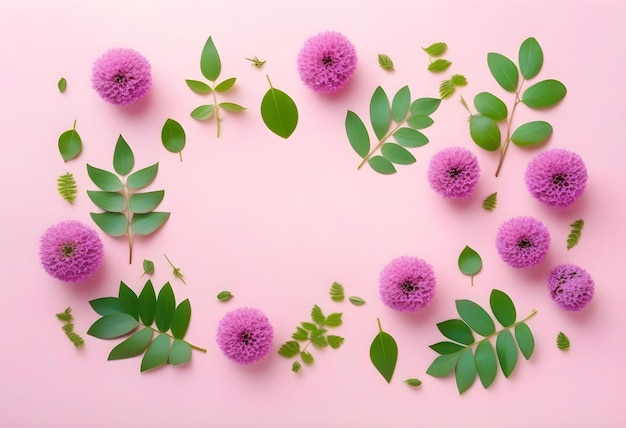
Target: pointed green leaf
(385, 62)
(203, 112)
(224, 296)
(157, 353)
(106, 305)
(145, 224)
(575, 233)
(317, 316)
(413, 382)
(108, 201)
(334, 320)
(357, 134)
(114, 224)
(531, 133)
(507, 352)
(490, 202)
(530, 58)
(141, 178)
(436, 49)
(419, 121)
(198, 87)
(232, 107)
(400, 104)
(457, 331)
(397, 154)
(225, 85)
(181, 318)
(485, 132)
(335, 342)
(289, 349)
(491, 106)
(544, 94)
(446, 89)
(380, 112)
(66, 186)
(408, 137)
(173, 136)
(279, 112)
(502, 307)
(381, 165)
(486, 364)
(145, 202)
(503, 70)
(148, 267)
(165, 307)
(525, 339)
(443, 365)
(318, 339)
(309, 326)
(356, 300)
(62, 84)
(470, 262)
(210, 64)
(105, 180)
(128, 300)
(384, 354)
(146, 303)
(296, 366)
(70, 144)
(476, 317)
(465, 371)
(133, 346)
(446, 347)
(300, 334)
(123, 158)
(562, 341)
(180, 352)
(425, 106)
(439, 65)
(112, 326)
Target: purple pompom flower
(71, 251)
(453, 172)
(245, 335)
(570, 286)
(407, 284)
(326, 62)
(556, 177)
(121, 76)
(523, 242)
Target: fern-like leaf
(336, 292)
(385, 62)
(68, 327)
(490, 202)
(66, 185)
(574, 235)
(562, 341)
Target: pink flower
(407, 284)
(245, 335)
(523, 242)
(570, 286)
(121, 76)
(453, 172)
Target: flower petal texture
(570, 286)
(245, 335)
(453, 172)
(71, 251)
(326, 62)
(523, 242)
(407, 284)
(121, 76)
(556, 177)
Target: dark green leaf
(400, 104)
(397, 154)
(146, 303)
(413, 382)
(465, 371)
(114, 224)
(105, 180)
(279, 112)
(300, 334)
(470, 262)
(203, 112)
(381, 165)
(128, 300)
(575, 233)
(525, 339)
(289, 349)
(224, 296)
(232, 107)
(491, 106)
(181, 318)
(198, 87)
(157, 353)
(112, 326)
(439, 65)
(336, 292)
(123, 158)
(443, 365)
(173, 136)
(142, 177)
(133, 346)
(108, 201)
(210, 64)
(145, 202)
(165, 306)
(70, 144)
(491, 201)
(106, 305)
(457, 331)
(503, 70)
(62, 84)
(384, 354)
(507, 352)
(335, 342)
(562, 341)
(532, 133)
(357, 134)
(334, 320)
(307, 357)
(385, 62)
(544, 94)
(408, 137)
(485, 132)
(424, 106)
(380, 113)
(145, 224)
(476, 317)
(180, 352)
(356, 301)
(317, 316)
(436, 49)
(502, 307)
(446, 347)
(225, 85)
(530, 58)
(419, 121)
(486, 364)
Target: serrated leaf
(384, 353)
(112, 326)
(397, 154)
(575, 233)
(470, 262)
(400, 104)
(66, 186)
(300, 334)
(145, 224)
(145, 202)
(465, 372)
(123, 158)
(180, 352)
(181, 318)
(446, 89)
(105, 180)
(439, 65)
(381, 165)
(225, 85)
(141, 178)
(491, 201)
(133, 346)
(436, 49)
(530, 58)
(128, 300)
(296, 367)
(531, 133)
(307, 357)
(106, 306)
(380, 112)
(525, 339)
(157, 353)
(485, 132)
(413, 382)
(317, 316)
(146, 303)
(198, 87)
(279, 112)
(335, 342)
(458, 80)
(419, 121)
(411, 138)
(334, 319)
(210, 64)
(356, 301)
(424, 106)
(502, 307)
(203, 112)
(173, 136)
(503, 70)
(309, 326)
(544, 94)
(507, 352)
(456, 330)
(108, 201)
(357, 134)
(476, 317)
(289, 349)
(491, 106)
(62, 84)
(443, 365)
(446, 347)
(486, 363)
(232, 107)
(562, 341)
(336, 292)
(318, 339)
(224, 296)
(114, 224)
(385, 62)
(165, 306)
(70, 144)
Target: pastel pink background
(278, 221)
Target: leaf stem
(381, 142)
(532, 313)
(505, 144)
(197, 348)
(217, 112)
(380, 327)
(129, 231)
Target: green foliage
(336, 292)
(448, 87)
(467, 357)
(384, 353)
(279, 112)
(66, 186)
(148, 267)
(128, 313)
(490, 202)
(439, 65)
(173, 137)
(70, 144)
(126, 211)
(210, 67)
(385, 62)
(224, 296)
(436, 49)
(256, 62)
(62, 84)
(562, 341)
(175, 270)
(575, 233)
(470, 262)
(356, 300)
(388, 120)
(68, 327)
(312, 333)
(413, 382)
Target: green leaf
(502, 307)
(356, 301)
(108, 201)
(419, 121)
(486, 363)
(446, 347)
(203, 112)
(413, 382)
(334, 320)
(491, 106)
(485, 132)
(180, 352)
(380, 113)
(562, 341)
(157, 353)
(397, 154)
(470, 262)
(225, 85)
(210, 64)
(70, 144)
(141, 178)
(385, 62)
(309, 326)
(173, 136)
(384, 353)
(105, 180)
(123, 158)
(532, 133)
(181, 318)
(112, 326)
(198, 87)
(439, 65)
(289, 349)
(357, 134)
(279, 112)
(128, 300)
(503, 70)
(224, 296)
(456, 330)
(400, 104)
(575, 233)
(335, 342)
(476, 317)
(443, 365)
(145, 224)
(300, 334)
(106, 305)
(530, 58)
(232, 107)
(317, 316)
(133, 346)
(307, 357)
(336, 292)
(408, 137)
(544, 94)
(146, 303)
(525, 339)
(145, 202)
(446, 89)
(465, 371)
(436, 49)
(62, 84)
(114, 224)
(318, 339)
(458, 80)
(424, 106)
(66, 186)
(490, 202)
(507, 352)
(296, 367)
(381, 165)
(148, 267)
(165, 307)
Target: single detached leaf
(296, 367)
(476, 317)
(317, 316)
(507, 352)
(470, 262)
(503, 70)
(231, 107)
(356, 301)
(419, 121)
(490, 202)
(180, 352)
(380, 113)
(66, 186)
(544, 94)
(203, 112)
(425, 106)
(114, 224)
(446, 347)
(458, 80)
(108, 201)
(486, 363)
(413, 382)
(210, 64)
(381, 165)
(173, 136)
(357, 134)
(148, 267)
(279, 112)
(530, 58)
(123, 158)
(436, 49)
(485, 132)
(198, 87)
(307, 357)
(384, 353)
(289, 349)
(112, 326)
(133, 346)
(105, 180)
(531, 133)
(439, 65)
(145, 224)
(491, 106)
(457, 331)
(408, 137)
(165, 306)
(145, 202)
(224, 296)
(385, 62)
(336, 292)
(443, 365)
(128, 300)
(400, 104)
(181, 318)
(397, 154)
(502, 307)
(575, 233)
(562, 341)
(146, 303)
(70, 144)
(141, 178)
(446, 89)
(62, 84)
(525, 339)
(465, 371)
(225, 85)
(157, 353)
(335, 342)
(106, 306)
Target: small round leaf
(485, 132)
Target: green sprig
(66, 186)
(575, 233)
(336, 292)
(68, 327)
(256, 62)
(175, 270)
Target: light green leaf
(397, 154)
(575, 233)
(544, 94)
(446, 89)
(145, 224)
(181, 318)
(356, 301)
(335, 342)
(70, 144)
(310, 326)
(357, 134)
(413, 382)
(503, 70)
(384, 353)
(198, 87)
(62, 84)
(296, 366)
(502, 307)
(446, 347)
(318, 339)
(180, 352)
(486, 363)
(507, 352)
(133, 346)
(419, 121)
(424, 106)
(146, 303)
(128, 300)
(400, 104)
(381, 165)
(443, 365)
(148, 267)
(439, 65)
(106, 305)
(456, 330)
(562, 341)
(465, 371)
(112, 326)
(289, 349)
(334, 320)
(525, 339)
(142, 177)
(380, 113)
(66, 186)
(108, 201)
(485, 132)
(458, 80)
(408, 137)
(145, 202)
(165, 307)
(279, 112)
(491, 106)
(114, 224)
(210, 64)
(173, 136)
(530, 58)
(490, 202)
(307, 357)
(531, 133)
(232, 107)
(317, 316)
(157, 353)
(385, 62)
(436, 49)
(300, 334)
(203, 112)
(224, 296)
(476, 317)
(123, 158)
(336, 292)
(225, 85)
(469, 261)
(105, 180)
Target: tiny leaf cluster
(575, 233)
(438, 65)
(337, 294)
(68, 327)
(384, 353)
(66, 185)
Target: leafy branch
(66, 186)
(68, 327)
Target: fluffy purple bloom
(327, 61)
(570, 286)
(453, 172)
(407, 284)
(556, 177)
(245, 335)
(121, 76)
(71, 251)
(523, 242)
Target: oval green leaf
(439, 65)
(70, 144)
(133, 346)
(357, 134)
(112, 326)
(486, 363)
(531, 133)
(198, 87)
(157, 353)
(128, 301)
(145, 202)
(123, 158)
(62, 84)
(502, 307)
(544, 94)
(146, 303)
(476, 317)
(408, 137)
(397, 154)
(106, 305)
(443, 365)
(181, 318)
(114, 224)
(356, 300)
(457, 331)
(180, 352)
(507, 352)
(491, 106)
(203, 112)
(143, 177)
(279, 112)
(225, 85)
(145, 224)
(465, 371)
(380, 113)
(525, 339)
(400, 104)
(108, 201)
(381, 165)
(232, 107)
(105, 180)
(446, 347)
(413, 382)
(224, 296)
(165, 307)
(384, 354)
(173, 136)
(470, 262)
(503, 70)
(530, 58)
(210, 64)
(419, 121)
(485, 132)
(436, 49)
(425, 106)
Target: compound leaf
(336, 292)
(575, 233)
(66, 186)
